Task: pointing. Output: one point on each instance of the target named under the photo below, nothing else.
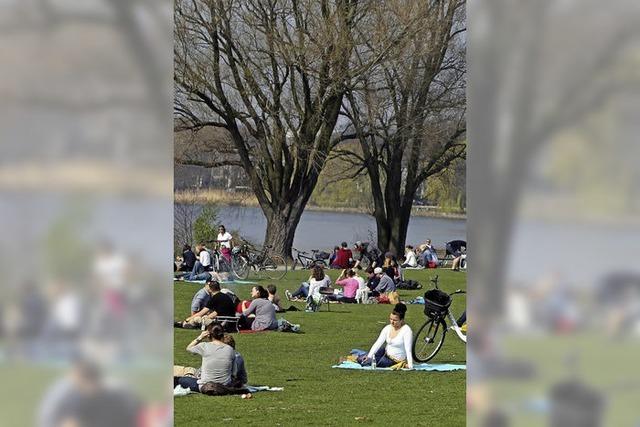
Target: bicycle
(245, 257)
(307, 261)
(431, 335)
(218, 262)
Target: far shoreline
(234, 199)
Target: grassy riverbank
(247, 199)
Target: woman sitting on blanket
(262, 308)
(398, 338)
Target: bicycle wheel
(224, 266)
(240, 266)
(274, 267)
(429, 339)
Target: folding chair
(325, 291)
(227, 323)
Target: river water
(324, 230)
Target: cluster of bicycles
(246, 258)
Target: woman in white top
(397, 339)
(317, 280)
(224, 239)
(410, 259)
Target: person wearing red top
(343, 257)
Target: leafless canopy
(273, 73)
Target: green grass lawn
(314, 393)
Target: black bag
(409, 284)
(322, 255)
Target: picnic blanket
(441, 367)
(180, 391)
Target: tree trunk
(281, 232)
(399, 227)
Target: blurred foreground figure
(83, 398)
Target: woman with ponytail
(393, 346)
(217, 360)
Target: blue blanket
(416, 367)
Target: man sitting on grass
(212, 303)
(386, 283)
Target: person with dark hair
(262, 308)
(372, 278)
(274, 298)
(410, 260)
(238, 372)
(188, 259)
(368, 250)
(317, 280)
(394, 343)
(225, 240)
(344, 257)
(334, 254)
(350, 286)
(217, 360)
(220, 304)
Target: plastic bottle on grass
(373, 363)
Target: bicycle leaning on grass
(218, 262)
(303, 259)
(430, 337)
(246, 257)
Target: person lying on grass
(262, 308)
(217, 360)
(393, 346)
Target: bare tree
(273, 74)
(532, 78)
(409, 115)
(184, 215)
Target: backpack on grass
(409, 284)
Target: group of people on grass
(216, 311)
(212, 304)
(424, 256)
(223, 370)
(198, 264)
(376, 281)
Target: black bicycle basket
(436, 303)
